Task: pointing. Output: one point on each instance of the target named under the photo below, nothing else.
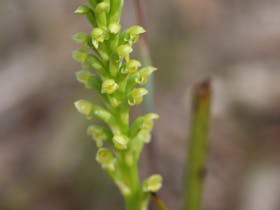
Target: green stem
(159, 202)
(134, 200)
(197, 149)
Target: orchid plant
(108, 69)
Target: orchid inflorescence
(117, 79)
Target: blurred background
(48, 163)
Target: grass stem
(197, 149)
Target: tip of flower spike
(82, 10)
(153, 183)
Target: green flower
(120, 142)
(132, 66)
(153, 183)
(109, 86)
(124, 51)
(106, 159)
(136, 96)
(98, 35)
(98, 133)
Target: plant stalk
(197, 149)
(160, 204)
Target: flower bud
(109, 86)
(144, 74)
(94, 63)
(104, 115)
(88, 79)
(102, 7)
(114, 101)
(136, 96)
(115, 11)
(98, 133)
(82, 10)
(153, 183)
(132, 66)
(101, 11)
(114, 28)
(124, 51)
(120, 142)
(106, 159)
(81, 38)
(84, 107)
(80, 55)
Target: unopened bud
(82, 10)
(102, 7)
(114, 28)
(84, 107)
(80, 55)
(88, 79)
(81, 38)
